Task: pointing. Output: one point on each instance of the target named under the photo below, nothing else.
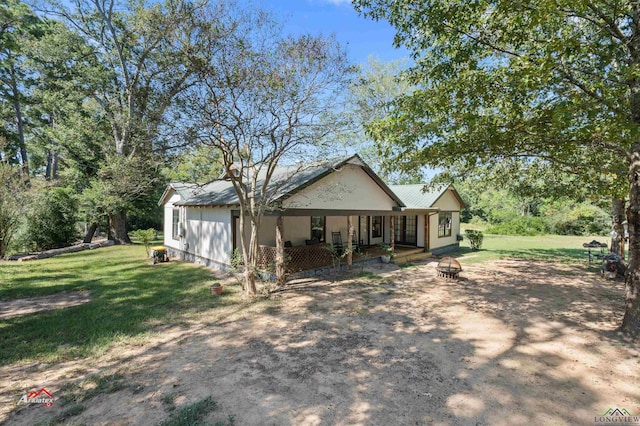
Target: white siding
(349, 188)
(444, 241)
(168, 222)
(208, 233)
(447, 202)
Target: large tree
(551, 79)
(263, 100)
(139, 51)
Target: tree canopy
(549, 80)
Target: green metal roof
(414, 196)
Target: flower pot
(216, 290)
(385, 258)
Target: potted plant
(386, 258)
(216, 289)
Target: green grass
(557, 248)
(130, 299)
(192, 414)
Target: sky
(360, 36)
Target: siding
(208, 233)
(168, 222)
(349, 188)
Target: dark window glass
(444, 224)
(376, 226)
(317, 228)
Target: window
(444, 224)
(318, 225)
(376, 227)
(175, 230)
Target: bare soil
(511, 342)
(30, 305)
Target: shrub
(51, 221)
(475, 238)
(145, 236)
(583, 219)
(522, 225)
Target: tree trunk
(280, 251)
(252, 261)
(90, 233)
(47, 173)
(56, 165)
(118, 228)
(20, 126)
(617, 219)
(631, 320)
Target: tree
(51, 220)
(139, 52)
(554, 80)
(12, 204)
(18, 26)
(264, 100)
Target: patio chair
(336, 240)
(354, 243)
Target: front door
(406, 230)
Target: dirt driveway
(513, 342)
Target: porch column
(280, 250)
(349, 242)
(392, 219)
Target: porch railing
(296, 258)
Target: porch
(319, 256)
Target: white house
(316, 203)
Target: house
(317, 204)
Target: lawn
(555, 248)
(130, 298)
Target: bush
(475, 238)
(583, 219)
(522, 225)
(51, 221)
(145, 236)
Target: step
(411, 256)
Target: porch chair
(336, 240)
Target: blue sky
(360, 36)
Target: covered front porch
(310, 240)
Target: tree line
(102, 102)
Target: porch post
(392, 219)
(349, 242)
(280, 251)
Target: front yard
(511, 342)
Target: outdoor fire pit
(449, 268)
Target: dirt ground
(30, 305)
(511, 342)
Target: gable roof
(183, 189)
(414, 197)
(285, 182)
